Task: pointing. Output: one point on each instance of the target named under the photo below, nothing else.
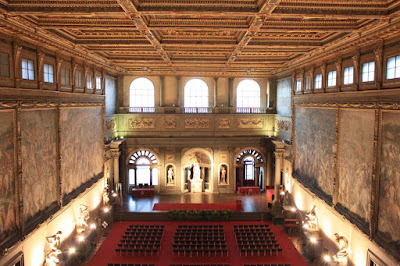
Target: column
(115, 155)
(161, 90)
(180, 95)
(215, 91)
(278, 167)
(269, 169)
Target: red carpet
(106, 254)
(195, 206)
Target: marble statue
(223, 175)
(196, 171)
(83, 217)
(341, 255)
(106, 199)
(311, 221)
(52, 255)
(170, 175)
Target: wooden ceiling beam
(132, 12)
(267, 7)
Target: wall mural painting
(81, 146)
(8, 221)
(39, 160)
(389, 202)
(284, 97)
(314, 154)
(356, 142)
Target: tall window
(48, 73)
(248, 94)
(28, 70)
(393, 67)
(78, 78)
(141, 95)
(4, 65)
(196, 96)
(368, 72)
(98, 83)
(298, 84)
(332, 79)
(348, 75)
(249, 168)
(308, 83)
(143, 171)
(318, 81)
(65, 76)
(89, 81)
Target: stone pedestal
(196, 185)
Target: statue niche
(223, 180)
(170, 176)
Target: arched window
(143, 169)
(248, 168)
(248, 96)
(141, 96)
(196, 96)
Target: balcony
(196, 110)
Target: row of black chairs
(267, 265)
(220, 226)
(251, 226)
(140, 241)
(199, 265)
(200, 240)
(145, 226)
(137, 251)
(128, 264)
(256, 241)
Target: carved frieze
(284, 125)
(251, 123)
(170, 122)
(170, 157)
(197, 123)
(110, 125)
(136, 123)
(224, 123)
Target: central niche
(196, 165)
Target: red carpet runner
(194, 206)
(106, 254)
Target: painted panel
(389, 202)
(39, 160)
(284, 97)
(8, 221)
(81, 146)
(356, 142)
(315, 141)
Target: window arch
(141, 95)
(248, 95)
(196, 96)
(142, 169)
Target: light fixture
(122, 137)
(313, 240)
(282, 193)
(293, 209)
(327, 258)
(93, 226)
(106, 209)
(71, 250)
(81, 238)
(114, 194)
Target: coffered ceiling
(202, 37)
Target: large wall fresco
(81, 146)
(389, 202)
(39, 160)
(356, 142)
(284, 97)
(314, 147)
(8, 221)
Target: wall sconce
(52, 255)
(83, 217)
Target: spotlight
(122, 137)
(92, 226)
(81, 238)
(293, 209)
(306, 226)
(313, 240)
(114, 194)
(282, 193)
(71, 250)
(327, 258)
(106, 209)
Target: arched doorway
(142, 170)
(196, 171)
(250, 169)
